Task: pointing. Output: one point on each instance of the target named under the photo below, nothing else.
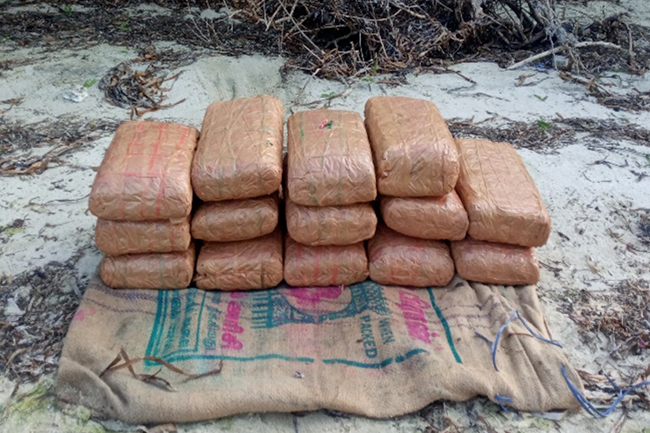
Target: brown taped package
(243, 265)
(501, 199)
(324, 266)
(240, 150)
(116, 238)
(414, 150)
(493, 263)
(149, 271)
(426, 217)
(145, 174)
(329, 159)
(396, 259)
(235, 220)
(330, 225)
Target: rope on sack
(494, 345)
(501, 400)
(590, 408)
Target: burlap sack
(235, 220)
(330, 225)
(116, 238)
(414, 151)
(240, 150)
(149, 271)
(426, 217)
(323, 266)
(145, 174)
(329, 159)
(396, 259)
(363, 349)
(494, 263)
(243, 265)
(501, 198)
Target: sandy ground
(595, 208)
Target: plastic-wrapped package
(235, 220)
(324, 266)
(239, 154)
(501, 199)
(243, 265)
(149, 271)
(329, 161)
(493, 263)
(399, 260)
(115, 238)
(330, 225)
(426, 217)
(145, 174)
(415, 154)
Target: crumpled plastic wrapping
(426, 217)
(399, 260)
(415, 154)
(145, 174)
(235, 220)
(501, 199)
(149, 271)
(324, 266)
(115, 238)
(240, 150)
(329, 159)
(243, 265)
(330, 225)
(494, 263)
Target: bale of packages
(145, 174)
(243, 265)
(239, 154)
(501, 199)
(116, 238)
(426, 217)
(330, 225)
(494, 263)
(415, 154)
(149, 271)
(323, 266)
(235, 220)
(329, 160)
(396, 259)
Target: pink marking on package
(413, 307)
(81, 313)
(231, 327)
(309, 296)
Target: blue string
(590, 408)
(493, 350)
(539, 337)
(495, 344)
(501, 400)
(616, 387)
(487, 340)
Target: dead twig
(555, 50)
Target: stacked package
(506, 215)
(417, 169)
(330, 184)
(142, 196)
(237, 172)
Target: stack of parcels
(142, 196)
(506, 215)
(417, 169)
(330, 184)
(237, 172)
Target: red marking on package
(231, 327)
(413, 311)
